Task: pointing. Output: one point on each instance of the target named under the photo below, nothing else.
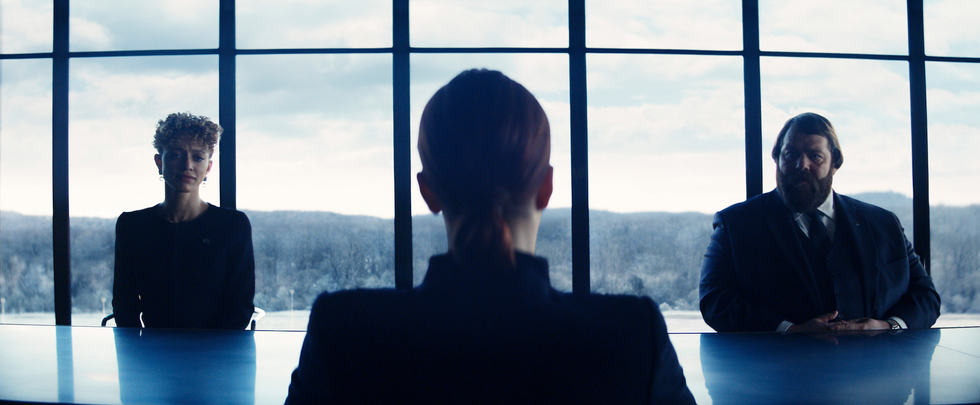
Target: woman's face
(184, 166)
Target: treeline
(298, 255)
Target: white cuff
(785, 325)
(901, 322)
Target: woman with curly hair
(485, 326)
(184, 263)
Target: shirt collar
(827, 207)
(445, 273)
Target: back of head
(484, 142)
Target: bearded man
(803, 258)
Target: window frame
(401, 51)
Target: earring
(161, 177)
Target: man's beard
(801, 191)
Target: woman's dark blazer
(196, 274)
(486, 336)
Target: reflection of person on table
(182, 366)
(804, 258)
(184, 263)
(485, 325)
(777, 368)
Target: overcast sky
(666, 132)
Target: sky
(314, 132)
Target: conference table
(93, 365)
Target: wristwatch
(894, 324)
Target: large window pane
(315, 149)
(868, 104)
(665, 152)
(26, 261)
(315, 176)
(115, 104)
(951, 27)
(954, 173)
(714, 24)
(313, 24)
(26, 26)
(476, 23)
(546, 77)
(114, 25)
(842, 26)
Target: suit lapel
(779, 221)
(851, 221)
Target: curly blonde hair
(182, 127)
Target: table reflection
(884, 368)
(103, 365)
(177, 366)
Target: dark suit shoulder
(133, 221)
(869, 210)
(881, 220)
(357, 296)
(357, 305)
(139, 215)
(745, 215)
(226, 213)
(226, 218)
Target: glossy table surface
(118, 365)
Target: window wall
(661, 114)
(26, 258)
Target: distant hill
(657, 254)
(885, 199)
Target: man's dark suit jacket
(486, 336)
(756, 274)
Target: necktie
(818, 233)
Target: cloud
(868, 104)
(89, 35)
(313, 24)
(109, 25)
(352, 87)
(953, 91)
(25, 136)
(840, 26)
(951, 27)
(714, 24)
(666, 132)
(877, 87)
(954, 133)
(315, 130)
(653, 104)
(149, 87)
(335, 167)
(315, 134)
(477, 23)
(26, 26)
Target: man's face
(805, 174)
